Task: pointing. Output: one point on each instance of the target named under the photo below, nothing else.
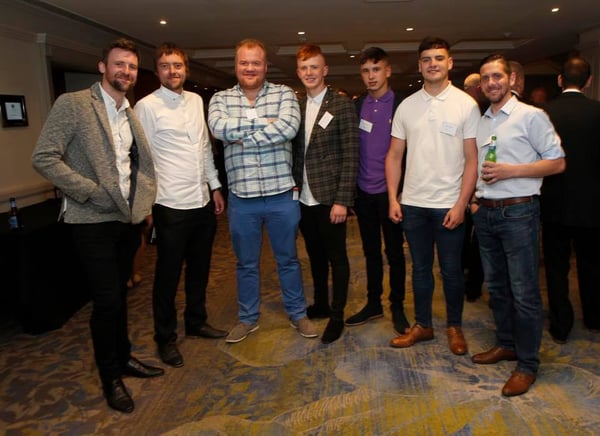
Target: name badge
(365, 125)
(251, 114)
(325, 120)
(449, 128)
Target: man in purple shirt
(375, 111)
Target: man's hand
(338, 214)
(395, 213)
(454, 218)
(219, 201)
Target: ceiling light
(162, 21)
(555, 9)
(301, 33)
(410, 29)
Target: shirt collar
(172, 95)
(441, 96)
(318, 99)
(111, 101)
(508, 107)
(389, 95)
(576, 91)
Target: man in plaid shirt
(256, 121)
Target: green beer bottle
(490, 156)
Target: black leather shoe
(333, 331)
(367, 313)
(117, 396)
(316, 312)
(135, 368)
(170, 355)
(401, 324)
(206, 331)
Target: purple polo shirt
(374, 145)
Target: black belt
(502, 202)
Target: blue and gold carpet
(277, 383)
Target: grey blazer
(75, 152)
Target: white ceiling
(525, 30)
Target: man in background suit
(569, 203)
(93, 148)
(325, 154)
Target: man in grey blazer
(325, 154)
(93, 149)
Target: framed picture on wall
(14, 112)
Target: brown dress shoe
(416, 334)
(494, 355)
(456, 340)
(518, 383)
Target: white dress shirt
(312, 110)
(183, 159)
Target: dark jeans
(106, 251)
(508, 242)
(471, 260)
(181, 235)
(423, 228)
(372, 213)
(557, 240)
(326, 245)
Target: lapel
(100, 109)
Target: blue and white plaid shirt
(261, 165)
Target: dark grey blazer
(75, 152)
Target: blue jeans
(423, 228)
(280, 214)
(508, 242)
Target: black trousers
(106, 251)
(471, 260)
(181, 236)
(326, 245)
(372, 212)
(557, 240)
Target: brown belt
(502, 202)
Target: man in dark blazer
(569, 203)
(93, 148)
(325, 154)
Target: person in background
(518, 86)
(256, 120)
(470, 253)
(538, 96)
(92, 147)
(188, 198)
(569, 200)
(506, 213)
(436, 128)
(376, 110)
(325, 154)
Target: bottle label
(13, 222)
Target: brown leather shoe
(456, 340)
(494, 355)
(518, 383)
(416, 334)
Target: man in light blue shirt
(506, 214)
(256, 121)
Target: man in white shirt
(188, 198)
(436, 127)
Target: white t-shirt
(435, 129)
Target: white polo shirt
(434, 129)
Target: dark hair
(374, 54)
(433, 42)
(496, 57)
(169, 48)
(575, 72)
(123, 44)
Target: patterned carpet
(278, 383)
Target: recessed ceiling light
(555, 9)
(352, 56)
(301, 33)
(410, 29)
(163, 21)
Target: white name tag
(251, 114)
(449, 128)
(365, 125)
(325, 120)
